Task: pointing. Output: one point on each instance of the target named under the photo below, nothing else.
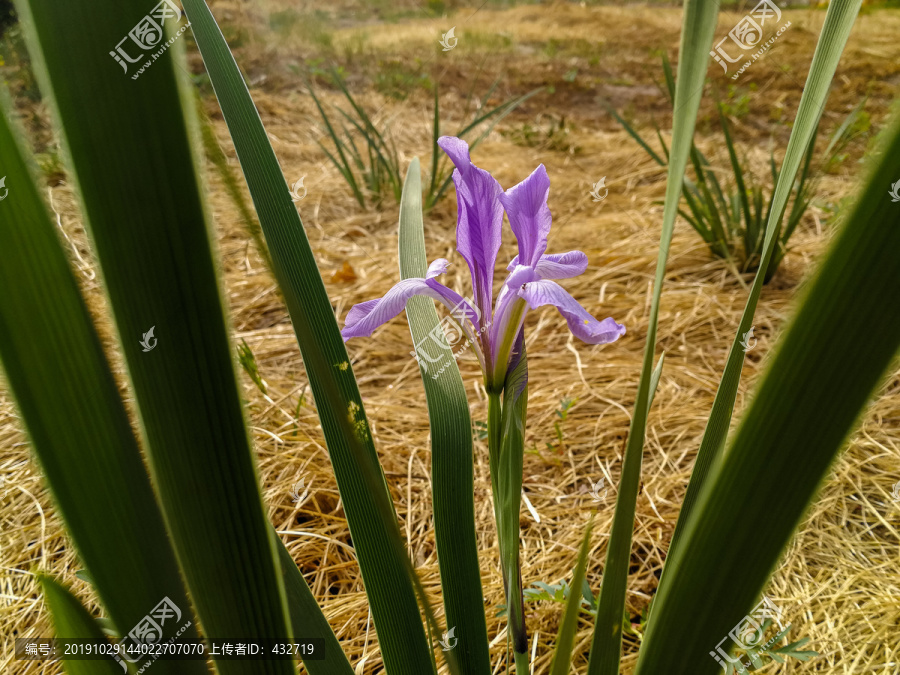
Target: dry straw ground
(838, 584)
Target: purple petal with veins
(581, 323)
(558, 265)
(479, 219)
(364, 318)
(437, 268)
(529, 215)
(497, 325)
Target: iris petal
(557, 265)
(364, 318)
(581, 323)
(562, 265)
(529, 215)
(506, 300)
(479, 219)
(437, 268)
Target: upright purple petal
(529, 215)
(581, 323)
(480, 216)
(364, 318)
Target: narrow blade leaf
(133, 156)
(452, 471)
(71, 620)
(696, 37)
(810, 398)
(307, 619)
(388, 585)
(76, 420)
(838, 22)
(565, 640)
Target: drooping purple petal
(558, 265)
(581, 323)
(529, 215)
(480, 216)
(364, 318)
(358, 312)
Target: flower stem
(495, 416)
(521, 663)
(506, 447)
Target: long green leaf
(379, 164)
(76, 420)
(838, 22)
(452, 472)
(435, 149)
(696, 37)
(654, 378)
(738, 172)
(307, 619)
(388, 585)
(71, 620)
(798, 208)
(810, 398)
(132, 155)
(565, 640)
(502, 111)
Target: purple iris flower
(493, 327)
